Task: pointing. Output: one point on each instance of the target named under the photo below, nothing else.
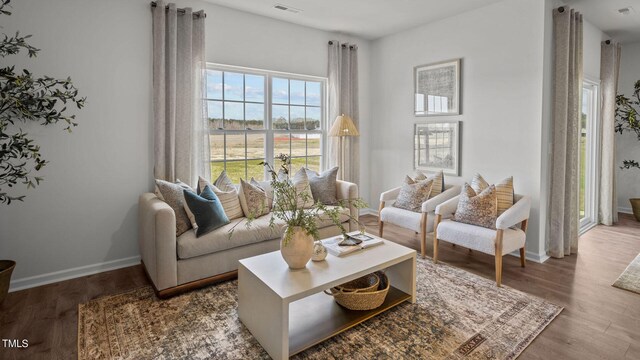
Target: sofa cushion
(480, 238)
(253, 199)
(220, 239)
(323, 186)
(226, 192)
(172, 195)
(205, 211)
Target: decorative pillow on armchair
(477, 209)
(504, 191)
(438, 182)
(413, 194)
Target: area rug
(458, 315)
(630, 278)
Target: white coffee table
(287, 311)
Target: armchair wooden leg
(435, 238)
(380, 222)
(423, 235)
(498, 252)
(523, 258)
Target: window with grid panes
(255, 115)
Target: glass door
(588, 156)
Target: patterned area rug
(630, 278)
(458, 315)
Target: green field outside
(305, 152)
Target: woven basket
(362, 300)
(366, 283)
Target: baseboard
(531, 256)
(38, 280)
(369, 212)
(625, 210)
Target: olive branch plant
(628, 119)
(25, 98)
(286, 207)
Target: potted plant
(628, 120)
(298, 239)
(26, 99)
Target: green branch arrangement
(628, 119)
(285, 204)
(26, 98)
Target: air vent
(286, 8)
(626, 11)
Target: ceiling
(369, 19)
(604, 15)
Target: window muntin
(255, 115)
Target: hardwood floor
(598, 322)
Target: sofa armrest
(390, 195)
(157, 240)
(431, 204)
(515, 214)
(347, 192)
(448, 207)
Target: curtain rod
(343, 45)
(180, 11)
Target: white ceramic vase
(298, 250)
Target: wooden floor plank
(599, 321)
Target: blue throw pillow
(207, 210)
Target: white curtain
(562, 238)
(343, 99)
(609, 70)
(180, 124)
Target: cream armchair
(421, 222)
(507, 237)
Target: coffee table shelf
(287, 311)
(318, 317)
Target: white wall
(628, 146)
(85, 212)
(501, 47)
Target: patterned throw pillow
(477, 209)
(413, 194)
(172, 194)
(438, 182)
(323, 186)
(205, 210)
(226, 192)
(253, 199)
(504, 190)
(301, 182)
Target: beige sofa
(175, 265)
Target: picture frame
(437, 88)
(437, 146)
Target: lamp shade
(343, 126)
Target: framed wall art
(437, 88)
(437, 147)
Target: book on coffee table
(333, 247)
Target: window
(588, 185)
(255, 115)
